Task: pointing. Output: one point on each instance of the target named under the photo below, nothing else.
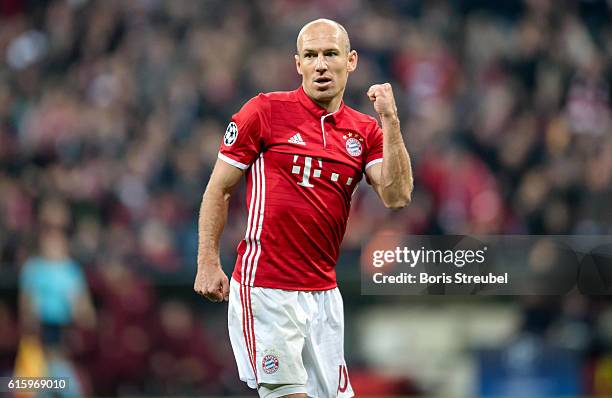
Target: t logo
(316, 173)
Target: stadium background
(111, 114)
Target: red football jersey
(303, 165)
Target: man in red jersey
(303, 153)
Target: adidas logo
(297, 139)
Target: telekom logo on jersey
(311, 170)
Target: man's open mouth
(322, 80)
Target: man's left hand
(381, 96)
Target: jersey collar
(318, 110)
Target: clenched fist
(212, 283)
(382, 97)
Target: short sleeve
(374, 153)
(242, 141)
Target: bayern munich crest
(270, 363)
(231, 133)
(353, 146)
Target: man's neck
(331, 106)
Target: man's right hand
(212, 283)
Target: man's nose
(321, 65)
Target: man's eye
(309, 56)
(330, 54)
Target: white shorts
(289, 338)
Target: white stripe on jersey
(249, 223)
(372, 163)
(257, 221)
(251, 255)
(244, 273)
(233, 162)
(262, 209)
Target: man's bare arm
(211, 281)
(392, 179)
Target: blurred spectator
(53, 296)
(183, 361)
(53, 291)
(126, 320)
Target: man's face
(324, 62)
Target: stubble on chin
(324, 95)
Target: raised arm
(392, 179)
(211, 282)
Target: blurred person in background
(303, 153)
(183, 360)
(54, 296)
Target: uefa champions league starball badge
(231, 133)
(353, 144)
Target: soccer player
(303, 153)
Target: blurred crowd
(111, 114)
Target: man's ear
(352, 61)
(297, 64)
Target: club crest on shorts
(353, 144)
(269, 363)
(231, 133)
